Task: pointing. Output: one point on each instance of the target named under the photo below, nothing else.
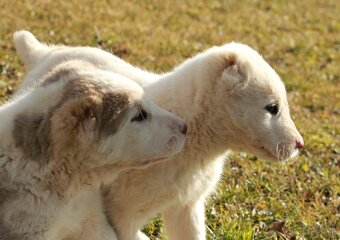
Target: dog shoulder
(6, 232)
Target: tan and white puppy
(232, 100)
(76, 128)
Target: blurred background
(255, 199)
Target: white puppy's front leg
(138, 235)
(100, 231)
(141, 236)
(185, 222)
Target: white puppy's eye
(141, 116)
(272, 109)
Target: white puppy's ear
(235, 73)
(29, 48)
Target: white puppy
(232, 100)
(77, 128)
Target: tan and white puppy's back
(32, 52)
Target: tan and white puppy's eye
(141, 116)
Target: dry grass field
(256, 199)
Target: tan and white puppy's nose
(183, 128)
(299, 144)
(178, 124)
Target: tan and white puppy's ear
(235, 71)
(73, 119)
(30, 50)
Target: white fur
(222, 94)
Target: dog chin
(293, 155)
(266, 154)
(261, 152)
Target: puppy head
(257, 106)
(59, 120)
(97, 119)
(146, 134)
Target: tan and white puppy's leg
(94, 225)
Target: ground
(255, 199)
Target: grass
(255, 199)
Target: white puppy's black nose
(183, 128)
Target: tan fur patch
(5, 231)
(112, 113)
(32, 135)
(108, 109)
(5, 194)
(7, 234)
